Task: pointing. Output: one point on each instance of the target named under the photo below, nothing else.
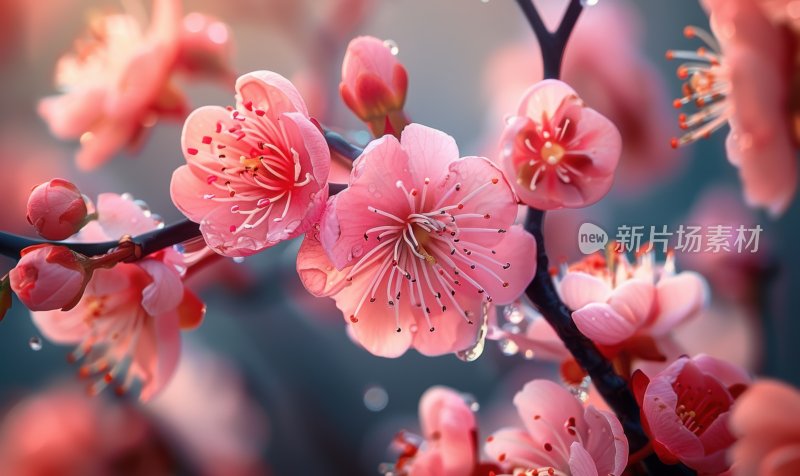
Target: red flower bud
(374, 85)
(56, 209)
(49, 277)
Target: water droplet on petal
(126, 196)
(514, 313)
(471, 401)
(508, 347)
(179, 248)
(472, 353)
(376, 398)
(238, 259)
(581, 391)
(589, 3)
(392, 45)
(142, 204)
(35, 343)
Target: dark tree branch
(340, 145)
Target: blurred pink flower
(449, 445)
(127, 324)
(257, 174)
(205, 47)
(102, 105)
(746, 81)
(48, 277)
(559, 436)
(374, 85)
(625, 87)
(612, 304)
(558, 152)
(766, 421)
(208, 410)
(420, 239)
(56, 209)
(62, 431)
(685, 410)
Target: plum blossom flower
(449, 442)
(766, 421)
(742, 76)
(560, 437)
(49, 277)
(102, 105)
(559, 152)
(62, 431)
(616, 301)
(374, 85)
(625, 87)
(686, 408)
(127, 324)
(257, 174)
(56, 209)
(419, 240)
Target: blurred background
(271, 377)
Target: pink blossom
(449, 445)
(625, 87)
(102, 105)
(62, 431)
(614, 302)
(685, 410)
(206, 47)
(127, 324)
(56, 209)
(560, 436)
(257, 174)
(48, 277)
(766, 421)
(560, 152)
(374, 85)
(418, 245)
(743, 78)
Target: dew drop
(472, 353)
(514, 313)
(179, 248)
(471, 401)
(376, 398)
(35, 343)
(392, 45)
(589, 3)
(142, 204)
(159, 222)
(508, 347)
(126, 196)
(238, 259)
(581, 391)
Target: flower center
(552, 152)
(546, 153)
(425, 257)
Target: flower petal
(578, 289)
(678, 298)
(604, 325)
(165, 293)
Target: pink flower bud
(56, 209)
(205, 47)
(48, 277)
(374, 85)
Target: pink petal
(515, 447)
(452, 333)
(658, 408)
(578, 289)
(725, 372)
(429, 151)
(606, 443)
(544, 98)
(601, 323)
(372, 184)
(678, 298)
(270, 92)
(105, 141)
(634, 299)
(157, 352)
(165, 293)
(449, 425)
(315, 269)
(71, 114)
(63, 327)
(545, 409)
(119, 217)
(784, 461)
(517, 248)
(580, 461)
